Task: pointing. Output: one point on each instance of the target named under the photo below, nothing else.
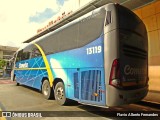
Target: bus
(99, 59)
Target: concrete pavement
(152, 96)
(22, 98)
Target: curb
(6, 78)
(149, 104)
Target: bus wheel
(17, 84)
(47, 90)
(14, 79)
(59, 93)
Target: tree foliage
(2, 63)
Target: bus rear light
(115, 82)
(114, 75)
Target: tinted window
(68, 38)
(30, 51)
(19, 56)
(50, 44)
(26, 53)
(130, 21)
(35, 52)
(108, 18)
(60, 41)
(91, 28)
(75, 35)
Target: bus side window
(108, 18)
(35, 53)
(91, 28)
(19, 56)
(25, 55)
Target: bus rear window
(130, 21)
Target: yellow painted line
(29, 68)
(2, 118)
(50, 76)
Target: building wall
(150, 15)
(1, 54)
(6, 52)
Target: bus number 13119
(94, 50)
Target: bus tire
(47, 90)
(17, 84)
(14, 79)
(59, 93)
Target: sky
(20, 19)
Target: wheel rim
(45, 89)
(59, 93)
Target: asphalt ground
(22, 98)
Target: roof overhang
(131, 4)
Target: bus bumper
(117, 97)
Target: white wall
(1, 54)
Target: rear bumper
(117, 97)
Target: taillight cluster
(115, 74)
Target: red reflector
(114, 75)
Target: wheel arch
(56, 80)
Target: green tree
(2, 63)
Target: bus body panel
(133, 50)
(29, 76)
(87, 62)
(133, 60)
(82, 70)
(121, 97)
(110, 43)
(126, 43)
